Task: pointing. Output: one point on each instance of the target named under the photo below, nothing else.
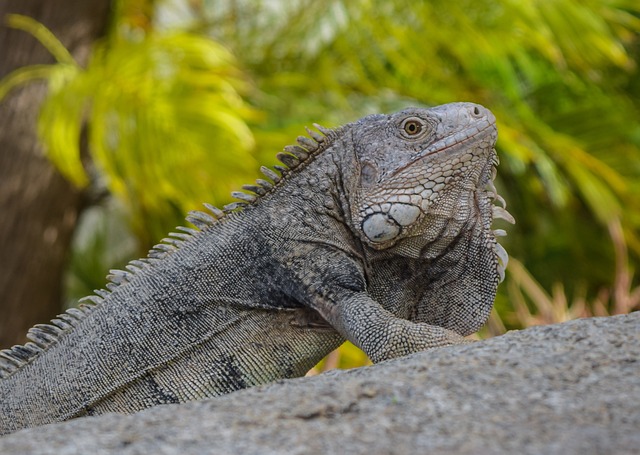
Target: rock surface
(561, 389)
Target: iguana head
(420, 164)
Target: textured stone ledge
(566, 388)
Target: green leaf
(42, 34)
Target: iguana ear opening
(368, 174)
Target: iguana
(378, 232)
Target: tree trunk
(38, 208)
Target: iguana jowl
(378, 232)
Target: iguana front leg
(333, 283)
(378, 332)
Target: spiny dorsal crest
(292, 158)
(43, 336)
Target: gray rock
(561, 389)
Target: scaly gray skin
(378, 232)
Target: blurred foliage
(103, 241)
(151, 105)
(166, 102)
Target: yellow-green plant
(164, 115)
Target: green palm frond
(43, 35)
(167, 124)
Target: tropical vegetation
(182, 100)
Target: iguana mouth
(450, 144)
(474, 133)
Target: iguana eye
(412, 127)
